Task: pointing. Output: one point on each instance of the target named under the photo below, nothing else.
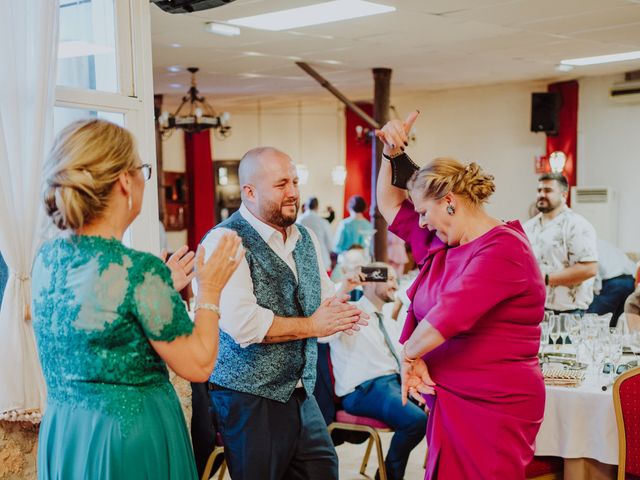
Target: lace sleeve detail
(159, 306)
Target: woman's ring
(232, 259)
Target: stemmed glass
(565, 320)
(544, 336)
(554, 329)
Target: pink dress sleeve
(406, 226)
(494, 274)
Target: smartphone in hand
(374, 274)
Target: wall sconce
(303, 173)
(557, 160)
(338, 175)
(363, 134)
(223, 176)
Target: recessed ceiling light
(175, 85)
(174, 68)
(615, 57)
(295, 59)
(254, 54)
(564, 68)
(251, 75)
(175, 45)
(327, 12)
(331, 62)
(222, 29)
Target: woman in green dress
(108, 319)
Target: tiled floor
(351, 457)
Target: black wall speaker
(545, 108)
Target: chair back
(626, 401)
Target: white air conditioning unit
(625, 92)
(599, 205)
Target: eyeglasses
(146, 170)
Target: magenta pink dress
(486, 298)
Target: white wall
(486, 125)
(311, 133)
(609, 152)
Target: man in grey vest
(273, 308)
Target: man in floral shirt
(564, 244)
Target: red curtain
(199, 166)
(567, 138)
(358, 162)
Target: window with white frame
(104, 71)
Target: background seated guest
(632, 309)
(564, 244)
(366, 367)
(275, 306)
(320, 227)
(354, 230)
(614, 282)
(107, 318)
(396, 253)
(474, 318)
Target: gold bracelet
(212, 307)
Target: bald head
(256, 161)
(269, 186)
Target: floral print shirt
(560, 243)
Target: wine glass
(554, 329)
(565, 320)
(544, 336)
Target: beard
(546, 206)
(273, 213)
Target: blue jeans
(380, 398)
(612, 296)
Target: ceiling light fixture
(222, 29)
(615, 57)
(319, 13)
(200, 116)
(564, 68)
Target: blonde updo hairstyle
(84, 164)
(444, 175)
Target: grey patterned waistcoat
(272, 370)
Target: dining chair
(626, 401)
(371, 426)
(217, 451)
(545, 468)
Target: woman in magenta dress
(474, 320)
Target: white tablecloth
(579, 423)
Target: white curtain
(28, 50)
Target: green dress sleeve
(159, 306)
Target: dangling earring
(130, 202)
(450, 209)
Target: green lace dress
(111, 411)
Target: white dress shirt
(364, 355)
(240, 315)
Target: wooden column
(157, 107)
(381, 101)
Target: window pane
(64, 116)
(87, 48)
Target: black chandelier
(200, 115)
